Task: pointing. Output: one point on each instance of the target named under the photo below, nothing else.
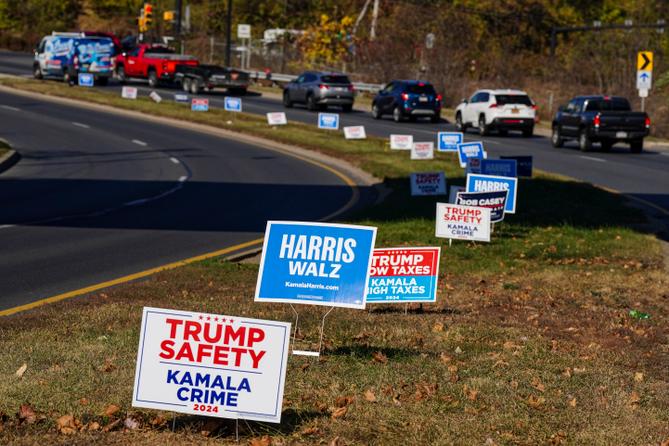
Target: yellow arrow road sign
(644, 61)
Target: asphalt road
(95, 197)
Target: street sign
(243, 31)
(644, 61)
(232, 104)
(644, 80)
(643, 93)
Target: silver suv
(319, 90)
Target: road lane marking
(174, 160)
(6, 226)
(592, 158)
(182, 179)
(79, 124)
(664, 153)
(129, 278)
(10, 108)
(139, 143)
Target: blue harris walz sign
(328, 121)
(470, 150)
(448, 141)
(491, 183)
(86, 80)
(501, 168)
(524, 164)
(315, 263)
(232, 104)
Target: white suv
(500, 110)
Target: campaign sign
(315, 263)
(232, 104)
(448, 141)
(463, 222)
(277, 118)
(495, 201)
(156, 97)
(328, 121)
(129, 93)
(212, 365)
(199, 104)
(524, 164)
(428, 183)
(474, 165)
(401, 142)
(180, 97)
(404, 275)
(355, 132)
(470, 150)
(422, 151)
(453, 193)
(501, 168)
(86, 80)
(491, 183)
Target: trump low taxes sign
(315, 263)
(213, 365)
(404, 275)
(463, 222)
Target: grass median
(530, 341)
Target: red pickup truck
(157, 63)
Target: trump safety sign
(213, 365)
(463, 222)
(315, 263)
(404, 275)
(491, 183)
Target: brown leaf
(93, 426)
(108, 366)
(634, 400)
(471, 410)
(665, 442)
(83, 401)
(304, 367)
(514, 385)
(638, 377)
(445, 358)
(567, 372)
(340, 412)
(335, 441)
(572, 402)
(67, 425)
(265, 440)
(158, 421)
(438, 327)
(536, 402)
(26, 414)
(19, 373)
(379, 357)
(537, 384)
(310, 431)
(130, 423)
(508, 345)
(369, 396)
(344, 401)
(111, 410)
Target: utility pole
(177, 27)
(375, 15)
(228, 31)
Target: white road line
(9, 107)
(664, 153)
(174, 160)
(83, 126)
(495, 143)
(592, 158)
(182, 179)
(139, 143)
(6, 226)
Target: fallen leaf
(310, 431)
(369, 396)
(67, 425)
(536, 402)
(472, 394)
(93, 426)
(83, 401)
(638, 377)
(344, 401)
(438, 327)
(111, 410)
(458, 350)
(108, 366)
(322, 407)
(445, 358)
(665, 442)
(537, 384)
(335, 441)
(19, 373)
(508, 345)
(158, 421)
(634, 400)
(340, 412)
(130, 423)
(26, 414)
(265, 440)
(379, 357)
(567, 372)
(572, 402)
(514, 385)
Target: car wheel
(185, 84)
(398, 116)
(636, 146)
(286, 100)
(311, 103)
(528, 132)
(195, 86)
(120, 74)
(347, 108)
(483, 128)
(37, 72)
(153, 79)
(606, 146)
(556, 137)
(584, 142)
(376, 113)
(458, 122)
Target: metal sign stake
(320, 339)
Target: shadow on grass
(417, 309)
(366, 351)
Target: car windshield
(335, 79)
(618, 104)
(159, 50)
(420, 89)
(516, 99)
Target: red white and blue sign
(199, 104)
(470, 150)
(315, 264)
(403, 275)
(212, 365)
(491, 183)
(495, 201)
(448, 141)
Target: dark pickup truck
(603, 119)
(195, 79)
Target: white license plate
(621, 134)
(422, 99)
(340, 89)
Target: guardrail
(282, 78)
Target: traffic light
(148, 14)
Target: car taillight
(493, 106)
(534, 107)
(351, 87)
(597, 121)
(647, 122)
(323, 87)
(405, 96)
(439, 98)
